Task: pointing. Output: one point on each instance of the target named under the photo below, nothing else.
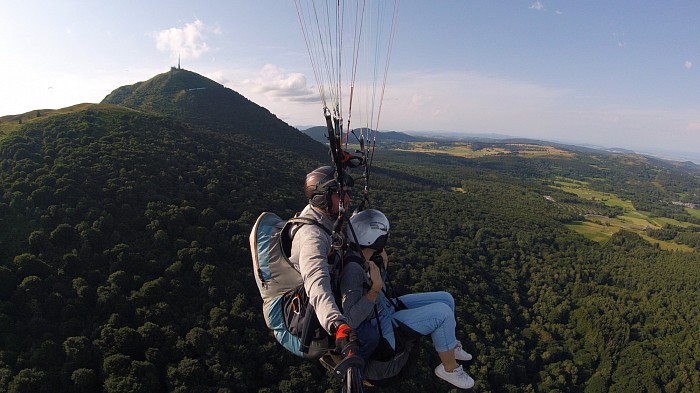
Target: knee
(447, 298)
(443, 310)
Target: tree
(116, 365)
(84, 380)
(48, 355)
(65, 237)
(38, 242)
(198, 340)
(188, 374)
(78, 351)
(596, 384)
(124, 384)
(30, 380)
(30, 265)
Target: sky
(607, 73)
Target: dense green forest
(124, 260)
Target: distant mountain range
(319, 133)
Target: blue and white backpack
(285, 304)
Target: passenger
(364, 300)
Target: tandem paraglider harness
(292, 319)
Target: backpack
(286, 307)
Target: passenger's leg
(436, 320)
(415, 300)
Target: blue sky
(609, 73)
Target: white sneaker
(461, 354)
(457, 377)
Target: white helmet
(369, 228)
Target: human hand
(346, 341)
(375, 275)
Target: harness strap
(301, 221)
(307, 220)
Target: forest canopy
(124, 262)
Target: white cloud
(273, 82)
(538, 6)
(688, 64)
(187, 42)
(466, 101)
(219, 76)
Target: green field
(600, 228)
(468, 150)
(693, 212)
(582, 191)
(595, 232)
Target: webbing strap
(307, 220)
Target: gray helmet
(321, 182)
(370, 228)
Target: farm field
(582, 191)
(600, 228)
(470, 150)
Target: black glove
(346, 341)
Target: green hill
(105, 203)
(201, 102)
(124, 261)
(10, 123)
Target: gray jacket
(353, 287)
(311, 247)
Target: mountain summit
(204, 103)
(162, 93)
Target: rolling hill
(320, 134)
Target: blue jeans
(368, 334)
(428, 313)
